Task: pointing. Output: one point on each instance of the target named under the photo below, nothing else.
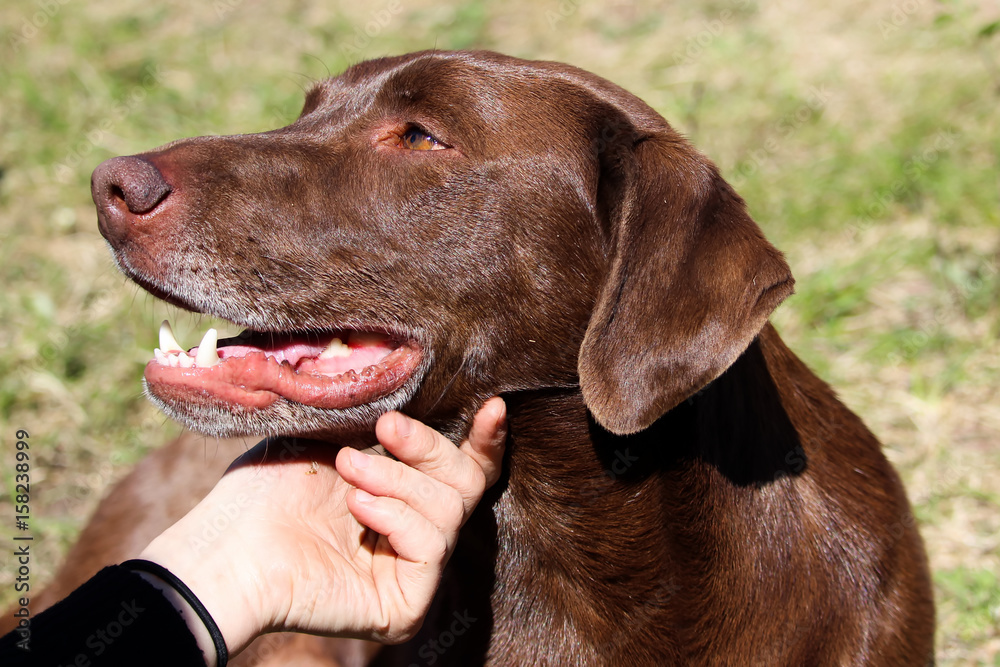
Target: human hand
(328, 543)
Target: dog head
(432, 230)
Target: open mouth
(334, 369)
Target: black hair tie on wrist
(168, 577)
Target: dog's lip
(256, 369)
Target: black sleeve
(116, 618)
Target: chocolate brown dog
(437, 228)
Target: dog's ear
(692, 280)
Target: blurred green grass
(864, 138)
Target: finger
(381, 476)
(426, 450)
(412, 536)
(407, 561)
(487, 437)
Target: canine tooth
(208, 355)
(167, 341)
(336, 348)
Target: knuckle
(423, 452)
(479, 479)
(439, 551)
(393, 474)
(454, 506)
(474, 483)
(406, 630)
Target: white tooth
(208, 355)
(160, 357)
(184, 361)
(336, 348)
(167, 341)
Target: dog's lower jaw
(283, 418)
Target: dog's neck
(679, 507)
(565, 474)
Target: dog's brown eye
(415, 139)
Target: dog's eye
(415, 139)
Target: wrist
(194, 622)
(216, 587)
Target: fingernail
(363, 496)
(404, 427)
(359, 460)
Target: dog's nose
(122, 188)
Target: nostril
(132, 181)
(117, 193)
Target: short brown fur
(679, 488)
